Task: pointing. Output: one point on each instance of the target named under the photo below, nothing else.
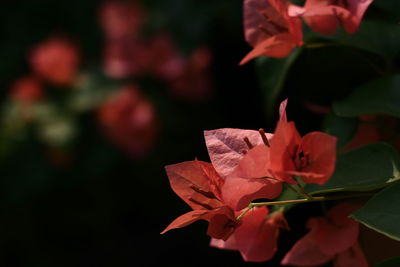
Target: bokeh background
(98, 96)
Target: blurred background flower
(97, 97)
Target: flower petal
(325, 16)
(282, 110)
(278, 46)
(191, 183)
(354, 256)
(336, 232)
(222, 223)
(257, 237)
(332, 239)
(186, 219)
(305, 252)
(284, 145)
(320, 150)
(225, 147)
(239, 192)
(229, 244)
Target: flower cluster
(127, 116)
(333, 237)
(128, 54)
(248, 165)
(273, 27)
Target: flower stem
(243, 213)
(294, 189)
(314, 199)
(319, 45)
(302, 190)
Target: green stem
(243, 213)
(319, 45)
(294, 189)
(314, 199)
(302, 190)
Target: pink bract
(27, 90)
(333, 237)
(324, 16)
(55, 61)
(129, 120)
(256, 238)
(198, 184)
(269, 29)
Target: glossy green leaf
(382, 212)
(381, 96)
(393, 262)
(272, 73)
(376, 36)
(363, 169)
(341, 127)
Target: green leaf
(376, 36)
(272, 74)
(382, 212)
(393, 262)
(380, 96)
(363, 169)
(341, 127)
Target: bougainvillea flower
(256, 238)
(251, 179)
(25, 93)
(194, 82)
(120, 19)
(226, 146)
(125, 57)
(199, 185)
(166, 62)
(312, 157)
(269, 29)
(56, 61)
(372, 129)
(242, 157)
(27, 90)
(129, 120)
(324, 16)
(333, 237)
(245, 169)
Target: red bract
(312, 157)
(129, 119)
(27, 90)
(269, 29)
(256, 238)
(372, 129)
(56, 61)
(324, 16)
(125, 54)
(246, 171)
(125, 57)
(199, 185)
(251, 179)
(187, 77)
(194, 82)
(226, 146)
(121, 19)
(333, 237)
(165, 61)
